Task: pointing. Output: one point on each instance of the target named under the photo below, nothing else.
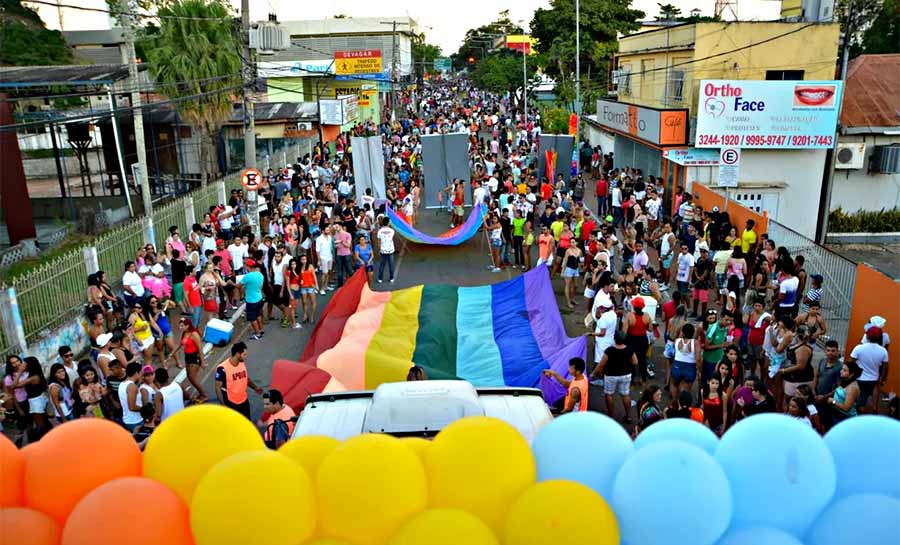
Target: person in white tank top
(687, 361)
(172, 394)
(129, 397)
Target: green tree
(601, 23)
(197, 55)
(424, 55)
(478, 42)
(668, 12)
(855, 16)
(26, 41)
(501, 71)
(555, 121)
(883, 36)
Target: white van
(419, 409)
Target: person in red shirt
(588, 226)
(546, 191)
(602, 190)
(192, 295)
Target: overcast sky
(444, 21)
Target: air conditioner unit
(850, 156)
(269, 37)
(304, 126)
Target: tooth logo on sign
(714, 106)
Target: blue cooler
(218, 332)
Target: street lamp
(524, 78)
(577, 77)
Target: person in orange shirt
(546, 243)
(232, 381)
(274, 407)
(576, 389)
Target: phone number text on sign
(766, 141)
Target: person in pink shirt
(343, 243)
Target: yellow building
(649, 125)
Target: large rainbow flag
(453, 237)
(503, 334)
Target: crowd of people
(737, 317)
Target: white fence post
(189, 217)
(220, 191)
(11, 320)
(91, 260)
(147, 229)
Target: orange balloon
(27, 527)
(132, 510)
(75, 458)
(12, 473)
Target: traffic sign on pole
(729, 167)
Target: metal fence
(117, 247)
(839, 275)
(166, 216)
(51, 294)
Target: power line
(127, 13)
(117, 90)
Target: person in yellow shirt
(557, 227)
(748, 238)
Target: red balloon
(133, 510)
(27, 527)
(74, 459)
(12, 473)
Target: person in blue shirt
(364, 257)
(253, 283)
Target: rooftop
(44, 76)
(277, 111)
(871, 98)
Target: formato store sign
(363, 62)
(660, 127)
(768, 114)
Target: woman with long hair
(572, 260)
(843, 402)
(636, 325)
(16, 404)
(192, 346)
(649, 411)
(292, 281)
(90, 391)
(309, 287)
(210, 282)
(527, 243)
(144, 329)
(163, 337)
(714, 405)
(687, 358)
(36, 387)
(59, 390)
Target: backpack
(277, 433)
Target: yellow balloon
(184, 447)
(309, 451)
(479, 464)
(551, 509)
(368, 487)
(419, 445)
(254, 497)
(327, 541)
(444, 527)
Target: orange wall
(877, 295)
(707, 198)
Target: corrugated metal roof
(277, 111)
(35, 76)
(871, 96)
(98, 55)
(94, 37)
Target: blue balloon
(857, 519)
(672, 493)
(584, 447)
(773, 460)
(679, 429)
(866, 452)
(758, 536)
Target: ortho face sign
(767, 114)
(660, 127)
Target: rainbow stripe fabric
(503, 334)
(453, 237)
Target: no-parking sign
(251, 179)
(729, 167)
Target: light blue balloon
(758, 536)
(858, 519)
(679, 429)
(781, 473)
(584, 447)
(866, 451)
(672, 493)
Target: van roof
(420, 408)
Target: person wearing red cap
(636, 325)
(872, 358)
(252, 283)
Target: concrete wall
(598, 137)
(856, 190)
(46, 168)
(56, 208)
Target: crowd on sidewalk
(736, 316)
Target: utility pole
(395, 63)
(249, 74)
(577, 78)
(137, 112)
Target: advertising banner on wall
(768, 114)
(659, 127)
(294, 69)
(350, 63)
(693, 157)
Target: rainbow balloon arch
(206, 478)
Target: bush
(883, 221)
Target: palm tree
(198, 55)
